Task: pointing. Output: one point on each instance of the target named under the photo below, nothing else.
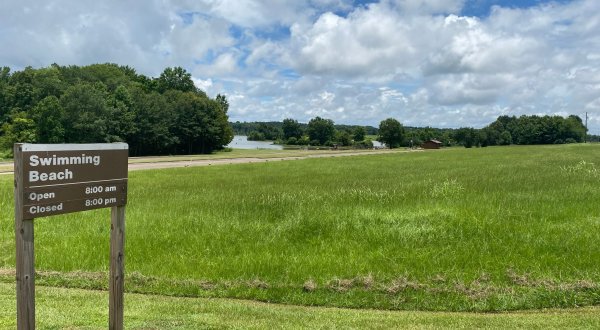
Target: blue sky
(441, 63)
(481, 8)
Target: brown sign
(54, 179)
(67, 178)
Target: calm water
(241, 142)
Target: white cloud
(374, 42)
(430, 6)
(80, 32)
(203, 85)
(186, 42)
(418, 61)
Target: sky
(438, 63)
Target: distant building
(431, 144)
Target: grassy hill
(490, 229)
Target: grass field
(59, 308)
(490, 229)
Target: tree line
(505, 130)
(317, 132)
(110, 103)
(523, 130)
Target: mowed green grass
(60, 308)
(487, 229)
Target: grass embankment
(461, 230)
(59, 308)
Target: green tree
(505, 138)
(85, 113)
(120, 117)
(48, 82)
(175, 79)
(343, 138)
(256, 136)
(6, 93)
(48, 115)
(222, 100)
(108, 102)
(201, 124)
(391, 133)
(291, 129)
(359, 133)
(154, 121)
(574, 128)
(20, 129)
(24, 95)
(467, 136)
(269, 131)
(321, 130)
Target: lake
(241, 142)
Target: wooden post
(117, 268)
(25, 271)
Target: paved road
(209, 162)
(6, 168)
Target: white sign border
(29, 147)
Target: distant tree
(304, 140)
(200, 123)
(483, 137)
(108, 102)
(23, 93)
(535, 130)
(321, 130)
(20, 129)
(343, 138)
(391, 133)
(154, 120)
(291, 129)
(175, 79)
(269, 131)
(467, 136)
(4, 74)
(447, 138)
(6, 92)
(574, 128)
(48, 82)
(256, 136)
(120, 117)
(359, 133)
(48, 115)
(365, 144)
(222, 100)
(85, 113)
(505, 138)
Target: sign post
(52, 179)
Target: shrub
(366, 144)
(570, 140)
(256, 136)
